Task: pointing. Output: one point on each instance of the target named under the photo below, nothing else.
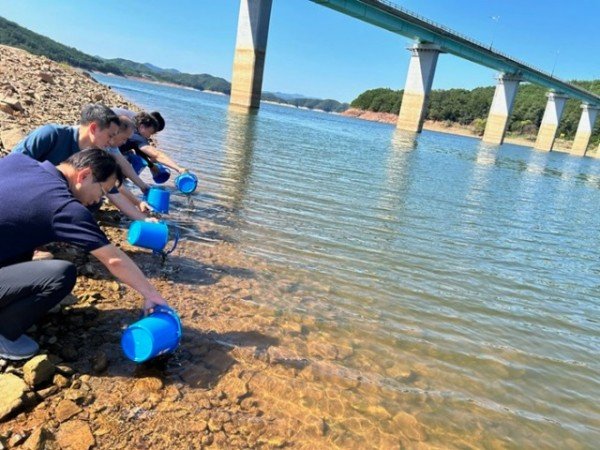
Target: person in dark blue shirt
(39, 204)
(55, 143)
(99, 127)
(147, 125)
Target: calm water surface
(475, 266)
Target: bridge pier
(584, 129)
(550, 121)
(418, 87)
(250, 52)
(501, 109)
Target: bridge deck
(400, 21)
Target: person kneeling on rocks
(41, 203)
(98, 128)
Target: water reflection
(239, 147)
(397, 171)
(485, 161)
(486, 154)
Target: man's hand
(151, 302)
(144, 207)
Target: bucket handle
(164, 253)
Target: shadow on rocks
(89, 340)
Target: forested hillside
(14, 35)
(17, 36)
(471, 107)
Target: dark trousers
(29, 290)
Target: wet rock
(147, 385)
(75, 435)
(323, 350)
(64, 369)
(409, 426)
(379, 412)
(285, 357)
(38, 370)
(69, 353)
(208, 439)
(99, 362)
(66, 409)
(12, 394)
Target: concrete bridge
(430, 40)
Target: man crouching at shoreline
(40, 204)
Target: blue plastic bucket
(137, 162)
(152, 235)
(154, 335)
(186, 182)
(159, 199)
(160, 173)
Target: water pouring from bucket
(151, 235)
(159, 198)
(186, 182)
(154, 335)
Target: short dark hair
(126, 124)
(97, 112)
(159, 119)
(102, 163)
(145, 119)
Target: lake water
(465, 278)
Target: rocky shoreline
(560, 145)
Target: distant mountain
(160, 69)
(14, 35)
(285, 96)
(327, 105)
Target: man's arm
(129, 172)
(125, 206)
(139, 204)
(122, 267)
(158, 156)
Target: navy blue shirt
(52, 142)
(36, 208)
(135, 142)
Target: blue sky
(316, 51)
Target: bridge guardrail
(474, 42)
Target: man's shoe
(22, 348)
